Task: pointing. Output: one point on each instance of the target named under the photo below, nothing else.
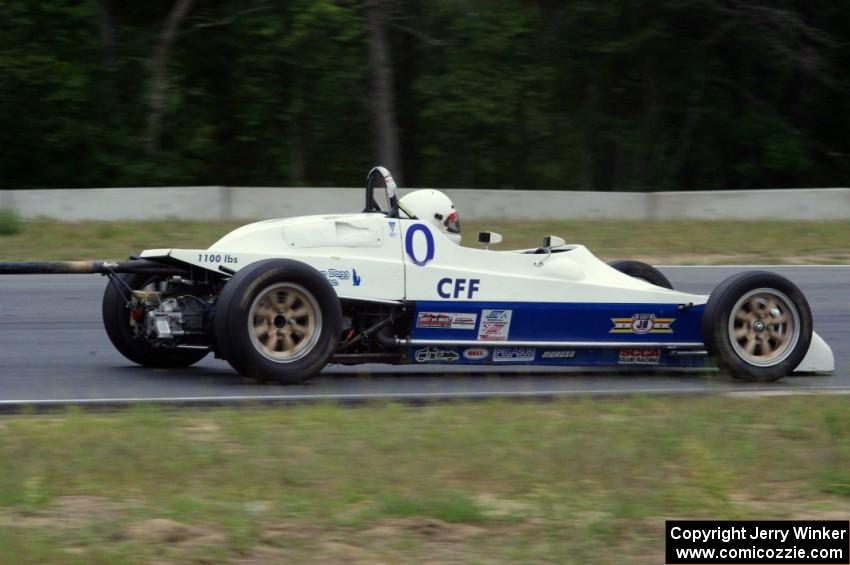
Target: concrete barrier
(789, 204)
(245, 203)
(201, 202)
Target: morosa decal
(564, 354)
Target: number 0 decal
(429, 244)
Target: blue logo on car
(337, 276)
(429, 244)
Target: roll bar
(389, 183)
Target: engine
(176, 317)
(172, 319)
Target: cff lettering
(456, 288)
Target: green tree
(615, 95)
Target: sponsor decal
(446, 320)
(642, 324)
(497, 315)
(433, 320)
(475, 353)
(436, 355)
(392, 228)
(565, 354)
(337, 276)
(639, 356)
(495, 325)
(513, 354)
(419, 260)
(464, 321)
(469, 286)
(493, 331)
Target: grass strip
(573, 481)
(661, 242)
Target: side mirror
(549, 242)
(553, 241)
(489, 238)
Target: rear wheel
(643, 271)
(758, 326)
(116, 322)
(278, 320)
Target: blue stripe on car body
(569, 321)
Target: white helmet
(434, 207)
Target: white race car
(280, 299)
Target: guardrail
(242, 203)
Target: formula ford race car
(280, 299)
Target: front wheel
(758, 326)
(278, 320)
(642, 271)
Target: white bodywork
(372, 257)
(819, 358)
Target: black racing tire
(116, 322)
(278, 320)
(643, 271)
(761, 311)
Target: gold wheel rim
(284, 322)
(764, 327)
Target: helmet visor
(452, 223)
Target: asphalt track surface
(53, 350)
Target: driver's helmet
(434, 207)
